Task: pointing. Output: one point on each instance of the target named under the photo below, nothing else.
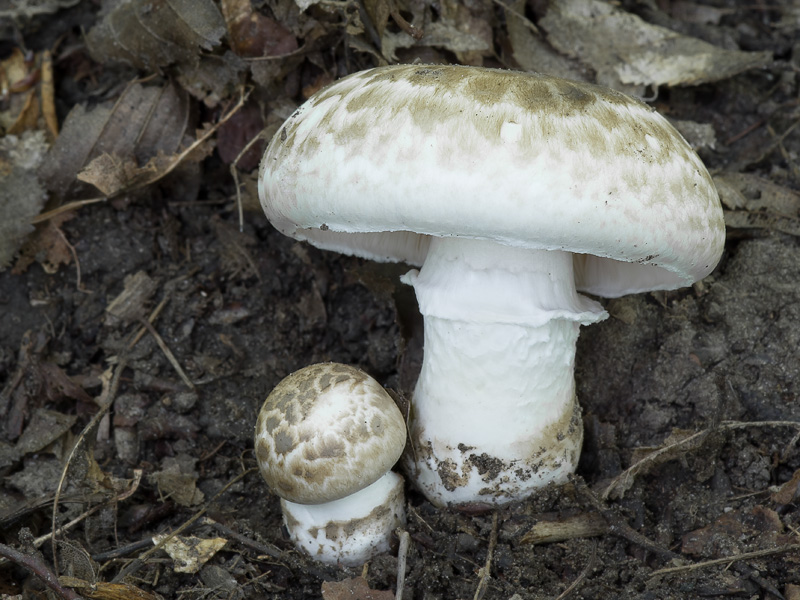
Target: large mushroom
(326, 439)
(512, 192)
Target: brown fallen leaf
(178, 480)
(21, 194)
(753, 202)
(48, 247)
(190, 553)
(145, 123)
(45, 427)
(101, 590)
(236, 133)
(131, 304)
(625, 50)
(788, 491)
(253, 34)
(736, 532)
(149, 34)
(355, 588)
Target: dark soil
(704, 382)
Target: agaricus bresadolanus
(512, 191)
(326, 439)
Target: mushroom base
(351, 530)
(494, 414)
(494, 439)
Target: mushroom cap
(325, 432)
(381, 160)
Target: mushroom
(326, 439)
(513, 192)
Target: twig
(617, 526)
(727, 560)
(35, 566)
(412, 30)
(486, 570)
(167, 352)
(584, 525)
(156, 176)
(112, 391)
(46, 216)
(137, 478)
(74, 253)
(525, 20)
(151, 319)
(583, 575)
(136, 563)
(693, 440)
(402, 556)
(266, 549)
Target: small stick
(74, 253)
(486, 570)
(584, 525)
(263, 548)
(727, 560)
(617, 526)
(402, 555)
(35, 566)
(136, 563)
(167, 352)
(153, 316)
(583, 575)
(112, 392)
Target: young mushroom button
(513, 192)
(326, 439)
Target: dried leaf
(47, 246)
(145, 124)
(101, 590)
(253, 34)
(235, 256)
(788, 491)
(212, 78)
(132, 302)
(45, 427)
(21, 195)
(190, 553)
(378, 11)
(459, 31)
(27, 93)
(755, 202)
(176, 481)
(27, 9)
(355, 588)
(624, 49)
(736, 532)
(679, 443)
(236, 133)
(149, 34)
(530, 51)
(112, 175)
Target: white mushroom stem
(494, 413)
(353, 529)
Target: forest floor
(141, 330)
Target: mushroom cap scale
(379, 161)
(325, 432)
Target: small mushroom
(326, 440)
(513, 192)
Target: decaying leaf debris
(143, 324)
